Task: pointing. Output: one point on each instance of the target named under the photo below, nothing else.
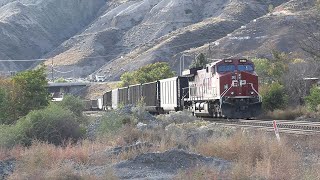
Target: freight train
(225, 88)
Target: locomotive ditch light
(228, 61)
(232, 93)
(251, 92)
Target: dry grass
(292, 114)
(256, 156)
(200, 173)
(15, 152)
(287, 114)
(46, 161)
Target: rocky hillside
(29, 29)
(111, 37)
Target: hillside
(29, 29)
(111, 37)
(284, 29)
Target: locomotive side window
(226, 68)
(245, 67)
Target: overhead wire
(93, 57)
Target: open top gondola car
(107, 100)
(134, 93)
(150, 95)
(226, 88)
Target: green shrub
(270, 8)
(313, 100)
(11, 135)
(60, 80)
(273, 97)
(54, 125)
(147, 73)
(74, 104)
(4, 114)
(113, 121)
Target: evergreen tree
(200, 61)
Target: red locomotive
(224, 88)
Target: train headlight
(251, 92)
(232, 93)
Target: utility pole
(209, 53)
(52, 70)
(180, 66)
(182, 63)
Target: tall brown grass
(47, 161)
(286, 114)
(256, 156)
(200, 173)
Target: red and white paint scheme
(224, 88)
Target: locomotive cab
(239, 96)
(227, 87)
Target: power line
(32, 60)
(63, 72)
(93, 57)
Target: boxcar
(134, 92)
(171, 93)
(150, 95)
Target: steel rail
(284, 126)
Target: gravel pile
(6, 168)
(92, 129)
(164, 165)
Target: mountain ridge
(117, 36)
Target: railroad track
(284, 126)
